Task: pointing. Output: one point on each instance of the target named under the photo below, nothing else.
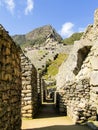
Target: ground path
(49, 119)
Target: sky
(66, 16)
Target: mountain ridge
(37, 37)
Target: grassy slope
(72, 38)
(52, 69)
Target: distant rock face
(77, 80)
(45, 31)
(38, 37)
(42, 45)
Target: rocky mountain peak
(43, 33)
(38, 37)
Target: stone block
(28, 107)
(95, 90)
(94, 78)
(94, 63)
(8, 51)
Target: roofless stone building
(77, 80)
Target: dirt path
(49, 119)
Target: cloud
(81, 29)
(30, 6)
(67, 29)
(10, 5)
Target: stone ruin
(29, 93)
(19, 84)
(77, 80)
(10, 83)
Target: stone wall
(94, 76)
(70, 68)
(29, 88)
(39, 76)
(10, 83)
(74, 101)
(77, 81)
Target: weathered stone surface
(94, 62)
(29, 88)
(77, 80)
(69, 69)
(10, 83)
(96, 17)
(94, 78)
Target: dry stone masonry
(29, 88)
(10, 83)
(77, 80)
(39, 76)
(74, 100)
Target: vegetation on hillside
(53, 66)
(36, 37)
(19, 39)
(72, 38)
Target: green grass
(72, 38)
(52, 69)
(54, 86)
